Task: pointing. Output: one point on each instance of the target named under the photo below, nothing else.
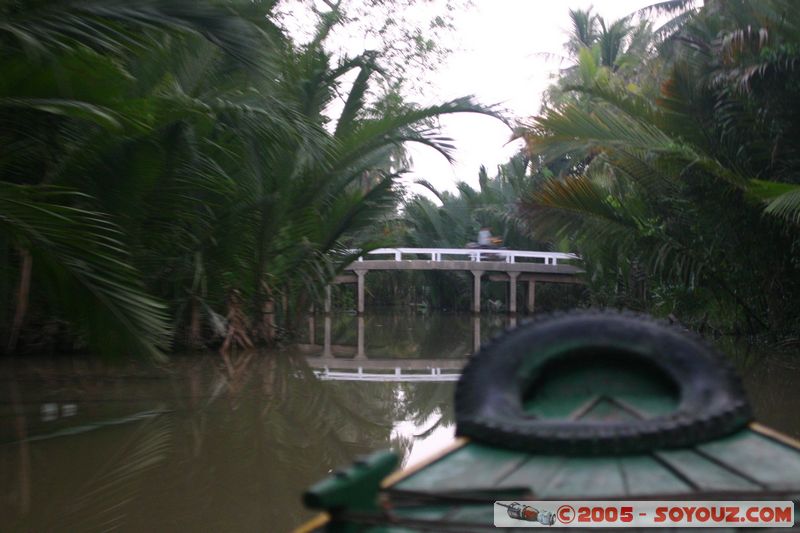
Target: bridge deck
(516, 265)
(456, 265)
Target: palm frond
(83, 262)
(428, 185)
(572, 130)
(373, 134)
(117, 27)
(786, 205)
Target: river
(201, 445)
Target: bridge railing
(472, 254)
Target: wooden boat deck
(455, 490)
(750, 463)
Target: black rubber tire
(490, 394)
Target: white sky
(501, 55)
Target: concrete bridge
(509, 266)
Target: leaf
(769, 190)
(68, 108)
(786, 206)
(85, 266)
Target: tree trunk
(268, 321)
(237, 326)
(195, 326)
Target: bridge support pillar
(360, 289)
(326, 339)
(327, 299)
(360, 352)
(476, 291)
(531, 296)
(512, 292)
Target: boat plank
(644, 476)
(766, 461)
(535, 473)
(586, 476)
(474, 514)
(555, 409)
(606, 410)
(650, 406)
(705, 474)
(423, 512)
(474, 466)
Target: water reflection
(214, 445)
(399, 336)
(208, 443)
(342, 362)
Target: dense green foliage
(678, 180)
(456, 222)
(183, 173)
(444, 219)
(171, 171)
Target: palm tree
(457, 220)
(198, 136)
(65, 83)
(594, 46)
(675, 185)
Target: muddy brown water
(87, 445)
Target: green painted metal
(356, 488)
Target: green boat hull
(456, 490)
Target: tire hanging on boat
(492, 391)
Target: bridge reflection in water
(348, 362)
